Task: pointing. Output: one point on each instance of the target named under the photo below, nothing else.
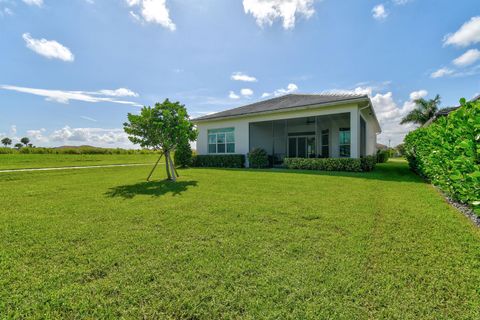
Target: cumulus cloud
(63, 96)
(152, 11)
(240, 76)
(37, 3)
(469, 33)
(468, 58)
(50, 49)
(389, 114)
(266, 12)
(246, 92)
(233, 95)
(442, 72)
(379, 12)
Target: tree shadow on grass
(391, 171)
(154, 189)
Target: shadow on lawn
(390, 171)
(154, 189)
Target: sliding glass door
(301, 147)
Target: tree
(25, 141)
(424, 111)
(162, 127)
(6, 141)
(183, 154)
(18, 145)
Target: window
(221, 140)
(325, 144)
(344, 142)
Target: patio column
(354, 133)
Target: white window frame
(218, 132)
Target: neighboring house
(294, 125)
(445, 112)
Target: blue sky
(72, 70)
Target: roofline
(306, 106)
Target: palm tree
(6, 141)
(425, 111)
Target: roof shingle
(284, 102)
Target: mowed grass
(27, 161)
(231, 244)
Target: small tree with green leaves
(162, 127)
(6, 141)
(18, 145)
(25, 141)
(183, 154)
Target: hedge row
(331, 164)
(219, 161)
(80, 150)
(448, 153)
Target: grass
(27, 161)
(252, 244)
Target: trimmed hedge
(258, 158)
(219, 161)
(382, 156)
(79, 150)
(448, 153)
(331, 164)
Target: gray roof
(285, 102)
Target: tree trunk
(156, 163)
(172, 168)
(167, 159)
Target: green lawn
(25, 161)
(272, 244)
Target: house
(445, 112)
(293, 125)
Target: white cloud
(441, 73)
(121, 92)
(379, 12)
(266, 95)
(469, 33)
(291, 87)
(239, 76)
(6, 12)
(88, 118)
(401, 2)
(153, 11)
(50, 49)
(468, 58)
(389, 114)
(89, 135)
(233, 95)
(37, 3)
(63, 96)
(266, 12)
(246, 92)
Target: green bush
(382, 156)
(258, 158)
(331, 164)
(447, 153)
(183, 155)
(73, 150)
(219, 161)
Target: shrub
(219, 161)
(331, 164)
(258, 158)
(368, 163)
(73, 150)
(183, 155)
(448, 153)
(382, 156)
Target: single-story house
(293, 125)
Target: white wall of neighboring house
(242, 127)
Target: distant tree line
(24, 142)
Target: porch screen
(221, 140)
(344, 142)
